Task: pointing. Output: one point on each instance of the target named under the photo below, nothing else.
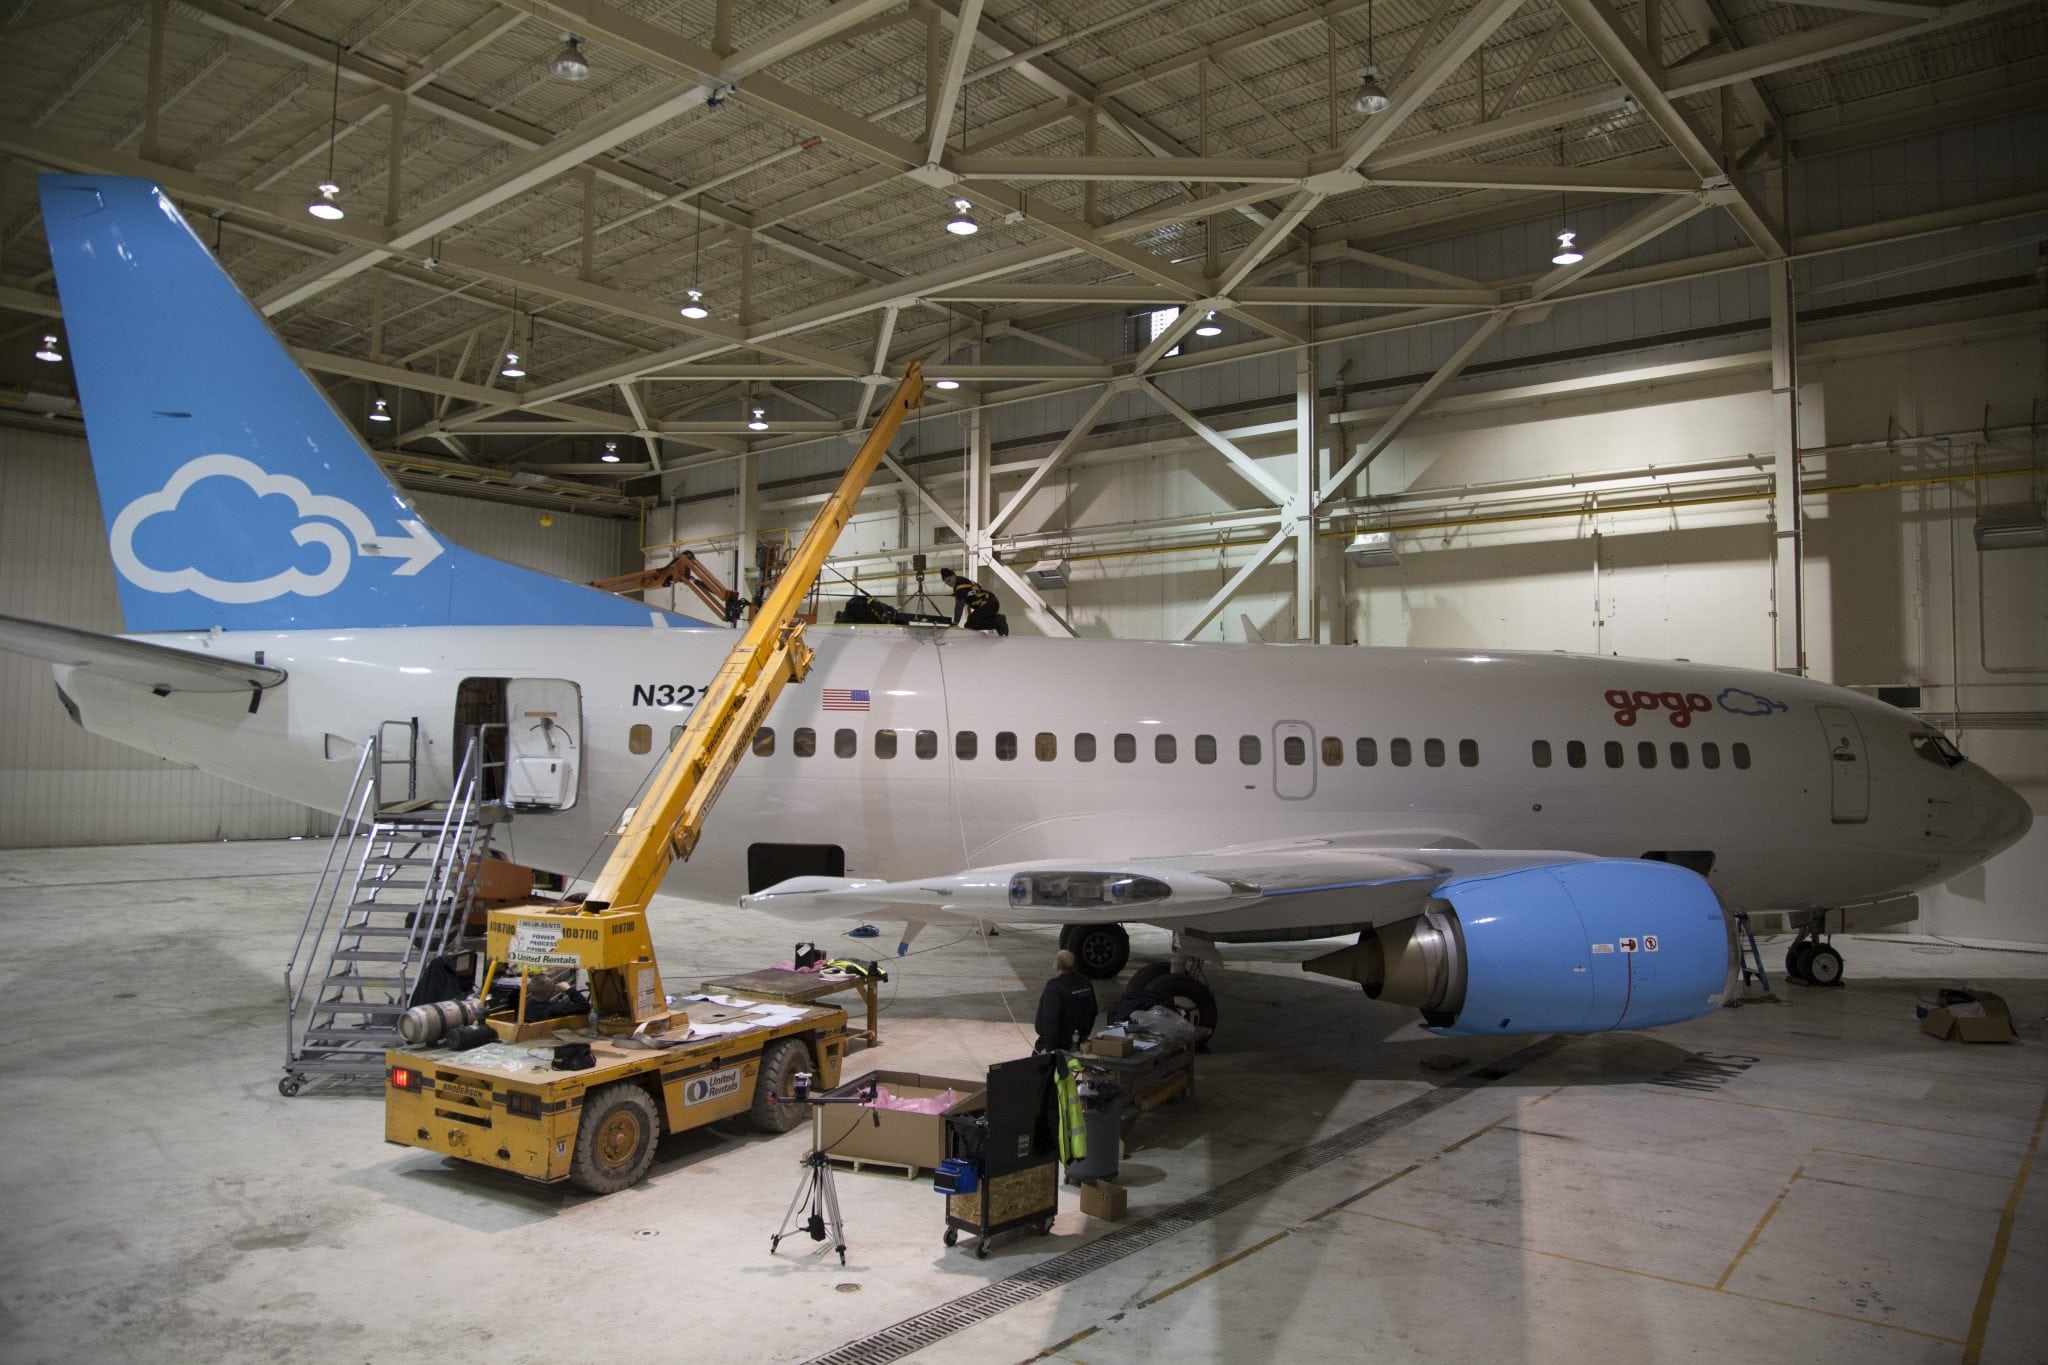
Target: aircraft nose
(2005, 815)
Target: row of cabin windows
(1615, 754)
(1045, 747)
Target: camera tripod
(814, 1188)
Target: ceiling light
(962, 223)
(2012, 526)
(1210, 327)
(1372, 550)
(1567, 254)
(568, 63)
(611, 452)
(945, 383)
(695, 307)
(380, 411)
(49, 351)
(759, 421)
(1372, 96)
(511, 369)
(327, 205)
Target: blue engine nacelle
(1568, 948)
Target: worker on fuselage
(974, 606)
(1066, 1007)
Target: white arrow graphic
(418, 549)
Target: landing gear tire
(1189, 998)
(614, 1139)
(1147, 978)
(776, 1084)
(1823, 966)
(1100, 950)
(1796, 958)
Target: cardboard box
(1118, 1045)
(1104, 1199)
(900, 1139)
(1995, 1026)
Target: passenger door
(544, 735)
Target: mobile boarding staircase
(395, 892)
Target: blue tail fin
(234, 494)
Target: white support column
(745, 578)
(1308, 625)
(154, 98)
(1788, 589)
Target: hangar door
(1848, 764)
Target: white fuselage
(1196, 746)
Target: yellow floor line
(1980, 1320)
(1843, 1118)
(1901, 1161)
(1224, 1264)
(1662, 1279)
(1074, 1340)
(1758, 1230)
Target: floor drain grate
(934, 1325)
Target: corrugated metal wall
(60, 785)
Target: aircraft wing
(157, 667)
(1320, 880)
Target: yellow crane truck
(505, 1104)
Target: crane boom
(666, 825)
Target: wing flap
(160, 668)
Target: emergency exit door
(1294, 760)
(1848, 765)
(543, 743)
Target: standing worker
(1066, 1007)
(981, 608)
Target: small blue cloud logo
(1740, 702)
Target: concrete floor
(1839, 1187)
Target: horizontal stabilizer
(157, 667)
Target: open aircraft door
(1848, 764)
(543, 743)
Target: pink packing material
(929, 1104)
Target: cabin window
(1368, 753)
(1468, 753)
(1400, 753)
(640, 739)
(1575, 753)
(1539, 753)
(1740, 752)
(803, 741)
(1333, 753)
(885, 744)
(965, 744)
(1126, 748)
(1046, 747)
(1084, 748)
(675, 733)
(1248, 748)
(1164, 750)
(1006, 746)
(1681, 757)
(845, 744)
(1294, 751)
(764, 741)
(927, 743)
(1710, 754)
(1433, 752)
(1646, 753)
(1612, 751)
(1205, 748)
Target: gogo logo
(1680, 705)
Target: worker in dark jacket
(1066, 1007)
(980, 608)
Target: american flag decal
(846, 699)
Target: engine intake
(1567, 948)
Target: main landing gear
(1811, 961)
(1100, 950)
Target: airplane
(1519, 842)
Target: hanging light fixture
(49, 350)
(947, 384)
(380, 410)
(759, 421)
(1568, 252)
(962, 223)
(328, 203)
(512, 369)
(1372, 97)
(1209, 326)
(611, 452)
(693, 306)
(568, 63)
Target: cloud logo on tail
(339, 527)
